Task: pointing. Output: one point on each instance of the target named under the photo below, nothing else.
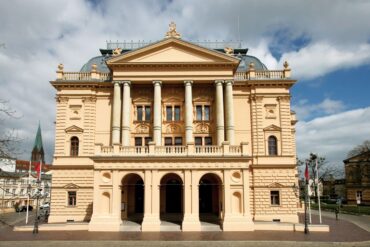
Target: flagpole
(28, 188)
(318, 190)
(306, 175)
(309, 203)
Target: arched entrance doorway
(171, 198)
(210, 198)
(132, 198)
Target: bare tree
(8, 138)
(326, 170)
(359, 149)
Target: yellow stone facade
(204, 154)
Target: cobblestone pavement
(342, 231)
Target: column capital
(157, 83)
(116, 82)
(126, 83)
(219, 82)
(188, 83)
(229, 82)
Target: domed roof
(99, 61)
(247, 59)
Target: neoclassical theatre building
(174, 133)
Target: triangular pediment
(74, 129)
(71, 186)
(173, 51)
(272, 127)
(275, 185)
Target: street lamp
(37, 195)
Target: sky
(326, 43)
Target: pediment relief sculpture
(272, 127)
(173, 129)
(74, 129)
(270, 111)
(202, 128)
(142, 128)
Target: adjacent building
(174, 131)
(357, 170)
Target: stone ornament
(229, 51)
(117, 51)
(172, 33)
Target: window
(203, 112)
(139, 110)
(198, 141)
(71, 198)
(13, 192)
(168, 141)
(272, 145)
(178, 141)
(208, 141)
(173, 113)
(275, 197)
(359, 197)
(138, 141)
(169, 113)
(143, 113)
(7, 191)
(22, 192)
(148, 113)
(147, 140)
(74, 146)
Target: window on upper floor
(143, 113)
(173, 113)
(272, 145)
(275, 197)
(139, 141)
(169, 141)
(74, 146)
(203, 112)
(178, 141)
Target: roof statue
(172, 33)
(229, 51)
(117, 51)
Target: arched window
(272, 142)
(74, 146)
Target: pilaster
(229, 108)
(191, 202)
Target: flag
(38, 169)
(306, 174)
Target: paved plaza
(343, 232)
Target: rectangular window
(275, 197)
(208, 141)
(206, 113)
(138, 141)
(359, 197)
(178, 141)
(139, 110)
(7, 191)
(147, 140)
(198, 141)
(169, 113)
(71, 198)
(148, 113)
(177, 113)
(22, 192)
(199, 112)
(168, 141)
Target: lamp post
(37, 195)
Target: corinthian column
(229, 108)
(157, 111)
(126, 113)
(219, 113)
(116, 112)
(188, 112)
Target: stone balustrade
(173, 151)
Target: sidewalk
(362, 221)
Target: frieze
(173, 129)
(89, 99)
(202, 128)
(142, 128)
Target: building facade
(357, 171)
(174, 131)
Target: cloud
(333, 136)
(304, 110)
(37, 35)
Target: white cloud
(333, 136)
(40, 34)
(328, 106)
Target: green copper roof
(37, 146)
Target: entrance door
(205, 196)
(173, 196)
(139, 197)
